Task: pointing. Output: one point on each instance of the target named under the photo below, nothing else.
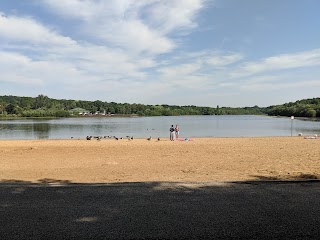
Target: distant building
(79, 111)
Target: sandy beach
(140, 160)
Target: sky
(178, 52)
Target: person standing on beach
(171, 133)
(176, 130)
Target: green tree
(310, 113)
(10, 109)
(40, 102)
(218, 112)
(2, 108)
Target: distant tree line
(308, 108)
(43, 106)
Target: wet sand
(140, 160)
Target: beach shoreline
(140, 160)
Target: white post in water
(292, 117)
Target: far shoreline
(142, 116)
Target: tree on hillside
(10, 109)
(2, 107)
(40, 102)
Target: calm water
(190, 126)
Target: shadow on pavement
(287, 178)
(59, 209)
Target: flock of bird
(108, 137)
(114, 137)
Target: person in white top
(172, 133)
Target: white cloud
(20, 69)
(17, 29)
(170, 15)
(214, 59)
(41, 55)
(33, 54)
(264, 78)
(141, 27)
(280, 85)
(199, 70)
(127, 50)
(40, 47)
(217, 60)
(280, 62)
(180, 70)
(136, 37)
(82, 9)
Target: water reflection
(24, 130)
(41, 130)
(190, 126)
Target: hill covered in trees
(309, 108)
(43, 106)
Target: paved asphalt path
(159, 210)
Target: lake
(143, 127)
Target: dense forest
(308, 108)
(43, 106)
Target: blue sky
(176, 52)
